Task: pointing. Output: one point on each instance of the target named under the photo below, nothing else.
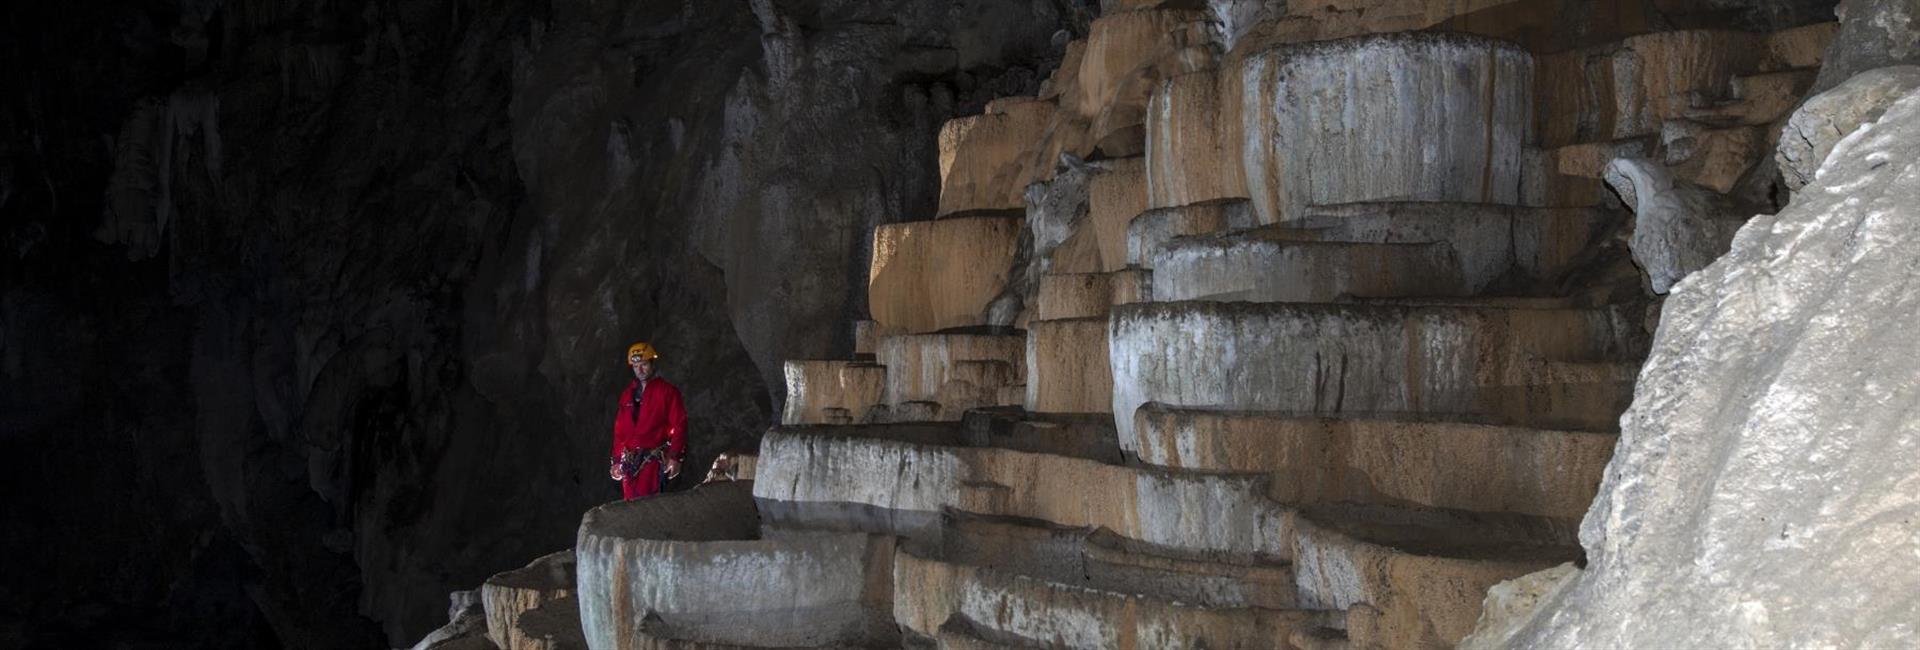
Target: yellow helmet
(643, 349)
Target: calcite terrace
(1253, 329)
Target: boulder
(1763, 493)
(1420, 116)
(1509, 604)
(1824, 119)
(1126, 57)
(1873, 34)
(1678, 227)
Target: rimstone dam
(1298, 334)
(1062, 324)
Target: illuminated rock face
(1420, 117)
(928, 276)
(831, 391)
(1193, 144)
(983, 162)
(1067, 366)
(1517, 365)
(1762, 484)
(940, 376)
(1126, 56)
(916, 482)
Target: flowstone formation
(1253, 328)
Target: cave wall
(313, 312)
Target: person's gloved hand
(613, 471)
(673, 468)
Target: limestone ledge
(1385, 460)
(1335, 358)
(1215, 515)
(696, 563)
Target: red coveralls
(662, 419)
